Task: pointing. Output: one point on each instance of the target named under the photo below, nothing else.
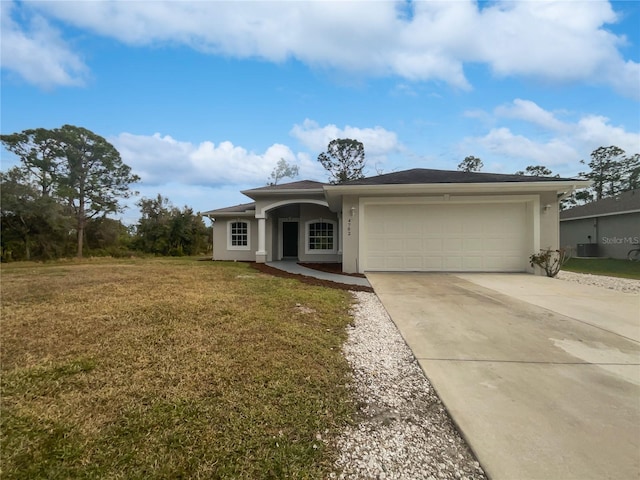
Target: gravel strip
(627, 285)
(405, 431)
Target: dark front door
(290, 239)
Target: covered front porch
(301, 230)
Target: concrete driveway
(541, 376)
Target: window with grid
(320, 236)
(239, 234)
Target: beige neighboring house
(414, 220)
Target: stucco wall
(220, 239)
(614, 234)
(350, 216)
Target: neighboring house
(604, 228)
(414, 220)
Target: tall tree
(40, 154)
(283, 170)
(92, 176)
(607, 171)
(344, 160)
(470, 164)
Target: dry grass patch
(169, 368)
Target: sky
(203, 98)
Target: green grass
(604, 266)
(169, 368)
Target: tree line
(57, 201)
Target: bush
(550, 260)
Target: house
(604, 228)
(413, 220)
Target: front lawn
(169, 368)
(604, 266)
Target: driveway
(541, 376)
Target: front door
(290, 239)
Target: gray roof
(427, 175)
(299, 185)
(242, 208)
(623, 202)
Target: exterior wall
(220, 239)
(549, 220)
(350, 236)
(614, 234)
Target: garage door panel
(458, 237)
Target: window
(238, 238)
(321, 236)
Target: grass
(604, 266)
(169, 368)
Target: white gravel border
(627, 285)
(405, 433)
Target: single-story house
(604, 228)
(413, 220)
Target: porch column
(261, 254)
(339, 233)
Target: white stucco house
(414, 220)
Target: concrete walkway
(294, 267)
(541, 376)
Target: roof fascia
(595, 215)
(283, 192)
(550, 186)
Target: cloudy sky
(203, 98)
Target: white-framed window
(321, 236)
(238, 235)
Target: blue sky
(203, 98)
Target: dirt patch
(309, 280)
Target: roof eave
(334, 192)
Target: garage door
(460, 237)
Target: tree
(612, 172)
(39, 152)
(283, 170)
(344, 160)
(536, 171)
(34, 226)
(166, 230)
(92, 177)
(607, 171)
(470, 164)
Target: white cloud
(565, 142)
(377, 141)
(502, 142)
(555, 41)
(159, 160)
(38, 54)
(530, 112)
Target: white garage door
(459, 237)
